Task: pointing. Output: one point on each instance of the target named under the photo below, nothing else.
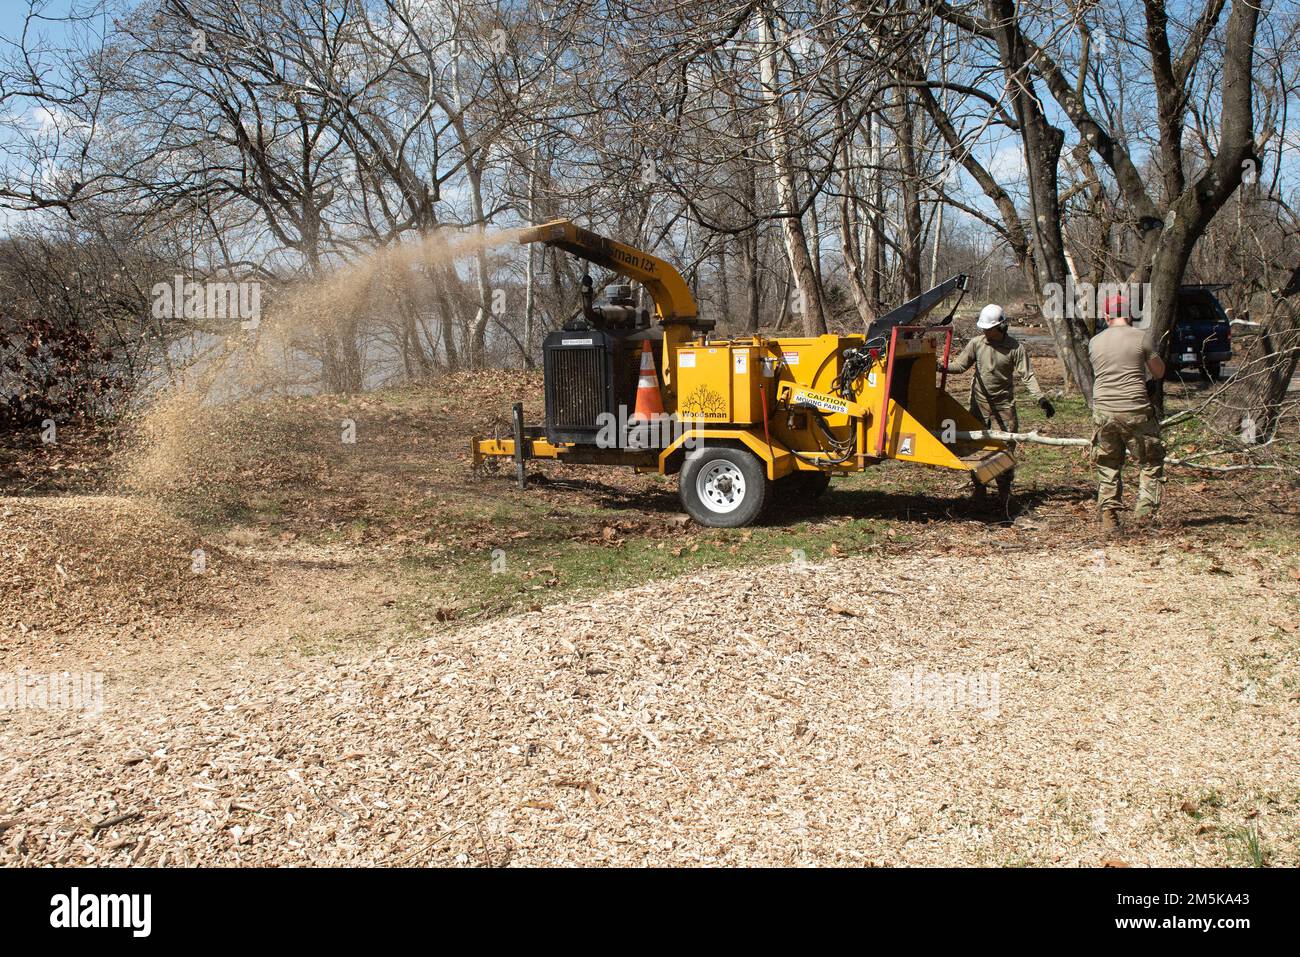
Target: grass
(1243, 843)
(1211, 799)
(536, 564)
(1249, 845)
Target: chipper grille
(576, 388)
(589, 373)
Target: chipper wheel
(723, 487)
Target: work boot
(979, 491)
(1004, 492)
(1144, 518)
(1110, 525)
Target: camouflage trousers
(1117, 435)
(1003, 418)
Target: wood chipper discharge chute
(742, 420)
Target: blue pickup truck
(1202, 336)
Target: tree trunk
(1251, 404)
(815, 244)
(724, 286)
(1042, 151)
(874, 247)
(483, 310)
(910, 254)
(1192, 211)
(812, 314)
(530, 271)
(848, 232)
(749, 255)
(934, 249)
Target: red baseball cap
(1115, 307)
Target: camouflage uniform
(993, 390)
(1125, 420)
(1138, 434)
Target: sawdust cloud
(214, 414)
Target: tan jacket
(1119, 366)
(996, 367)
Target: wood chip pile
(81, 562)
(1081, 707)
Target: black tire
(723, 487)
(1213, 371)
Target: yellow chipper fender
(777, 460)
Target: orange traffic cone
(649, 404)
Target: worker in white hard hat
(997, 358)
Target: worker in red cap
(1124, 417)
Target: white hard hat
(990, 316)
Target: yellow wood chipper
(747, 419)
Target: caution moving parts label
(819, 400)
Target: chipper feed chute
(924, 422)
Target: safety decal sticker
(820, 401)
(791, 358)
(686, 360)
(740, 361)
(907, 443)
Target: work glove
(1045, 404)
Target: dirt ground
(317, 652)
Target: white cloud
(1007, 164)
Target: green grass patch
(1249, 846)
(517, 574)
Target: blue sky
(13, 16)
